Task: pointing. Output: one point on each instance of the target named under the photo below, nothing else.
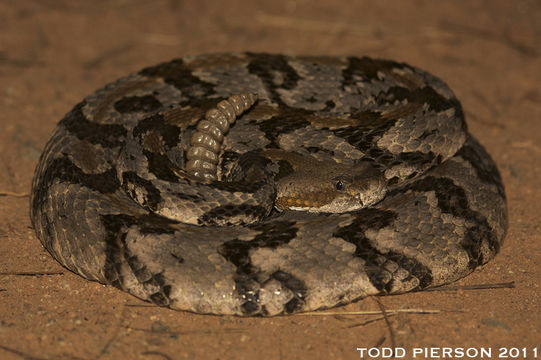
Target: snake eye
(339, 185)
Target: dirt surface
(53, 53)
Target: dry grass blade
(506, 285)
(386, 318)
(14, 194)
(156, 353)
(367, 322)
(388, 312)
(32, 273)
(21, 354)
(380, 341)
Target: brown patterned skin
(112, 202)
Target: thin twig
(14, 194)
(32, 273)
(388, 312)
(141, 305)
(20, 353)
(380, 341)
(391, 331)
(367, 322)
(505, 285)
(156, 353)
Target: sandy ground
(53, 53)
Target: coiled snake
(258, 184)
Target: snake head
(332, 188)
(354, 192)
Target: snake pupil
(339, 185)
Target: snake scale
(265, 184)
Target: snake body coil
(257, 184)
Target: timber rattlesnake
(127, 192)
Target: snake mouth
(299, 203)
(338, 205)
